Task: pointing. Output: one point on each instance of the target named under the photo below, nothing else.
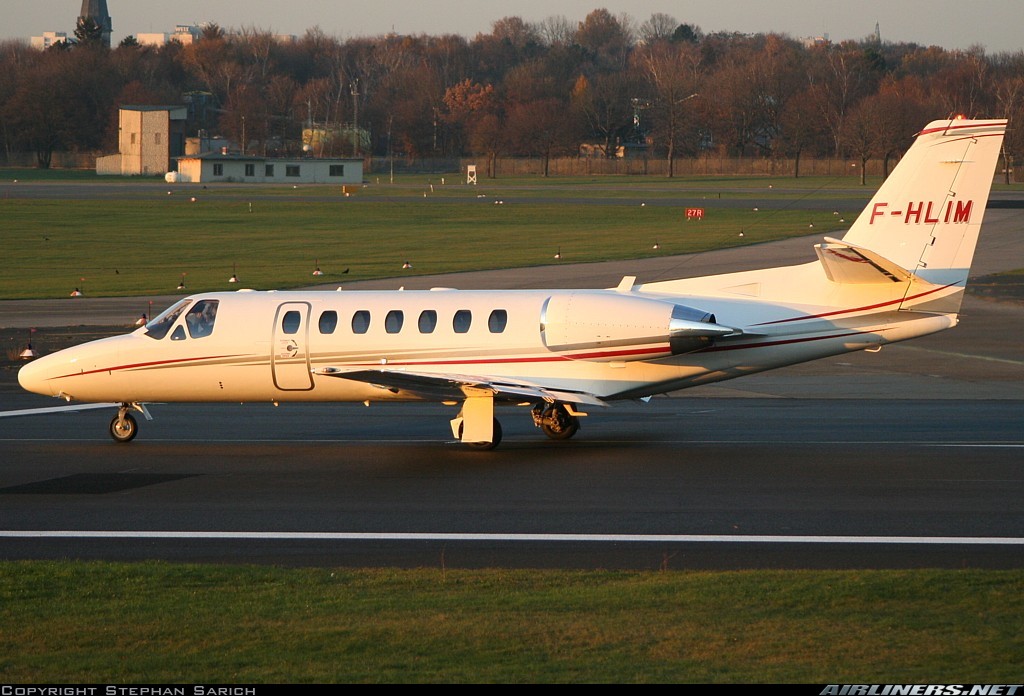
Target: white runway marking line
(428, 536)
(581, 442)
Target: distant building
(224, 167)
(96, 10)
(815, 41)
(49, 38)
(184, 34)
(149, 138)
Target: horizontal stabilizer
(452, 386)
(848, 263)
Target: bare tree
(672, 73)
(659, 27)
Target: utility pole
(355, 118)
(391, 157)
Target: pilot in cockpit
(201, 317)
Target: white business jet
(899, 273)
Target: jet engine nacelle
(614, 326)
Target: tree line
(542, 90)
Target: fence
(59, 160)
(596, 166)
(379, 167)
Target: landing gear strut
(555, 420)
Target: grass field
(144, 244)
(162, 623)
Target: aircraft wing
(452, 386)
(70, 408)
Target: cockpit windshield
(159, 326)
(199, 319)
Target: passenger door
(289, 357)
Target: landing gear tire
(124, 428)
(485, 446)
(558, 424)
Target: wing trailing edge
(431, 386)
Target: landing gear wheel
(124, 428)
(485, 446)
(558, 424)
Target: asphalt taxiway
(908, 457)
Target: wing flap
(454, 386)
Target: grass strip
(142, 247)
(156, 622)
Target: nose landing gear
(124, 427)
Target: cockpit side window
(200, 319)
(158, 327)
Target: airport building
(149, 137)
(228, 167)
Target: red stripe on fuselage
(857, 309)
(133, 366)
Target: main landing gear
(477, 428)
(558, 421)
(483, 446)
(124, 427)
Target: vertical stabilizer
(927, 214)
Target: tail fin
(926, 216)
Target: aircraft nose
(34, 376)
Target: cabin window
(328, 322)
(497, 321)
(361, 322)
(291, 322)
(179, 334)
(462, 320)
(393, 321)
(428, 321)
(201, 317)
(158, 327)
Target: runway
(680, 482)
(907, 458)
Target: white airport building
(212, 167)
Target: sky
(996, 25)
